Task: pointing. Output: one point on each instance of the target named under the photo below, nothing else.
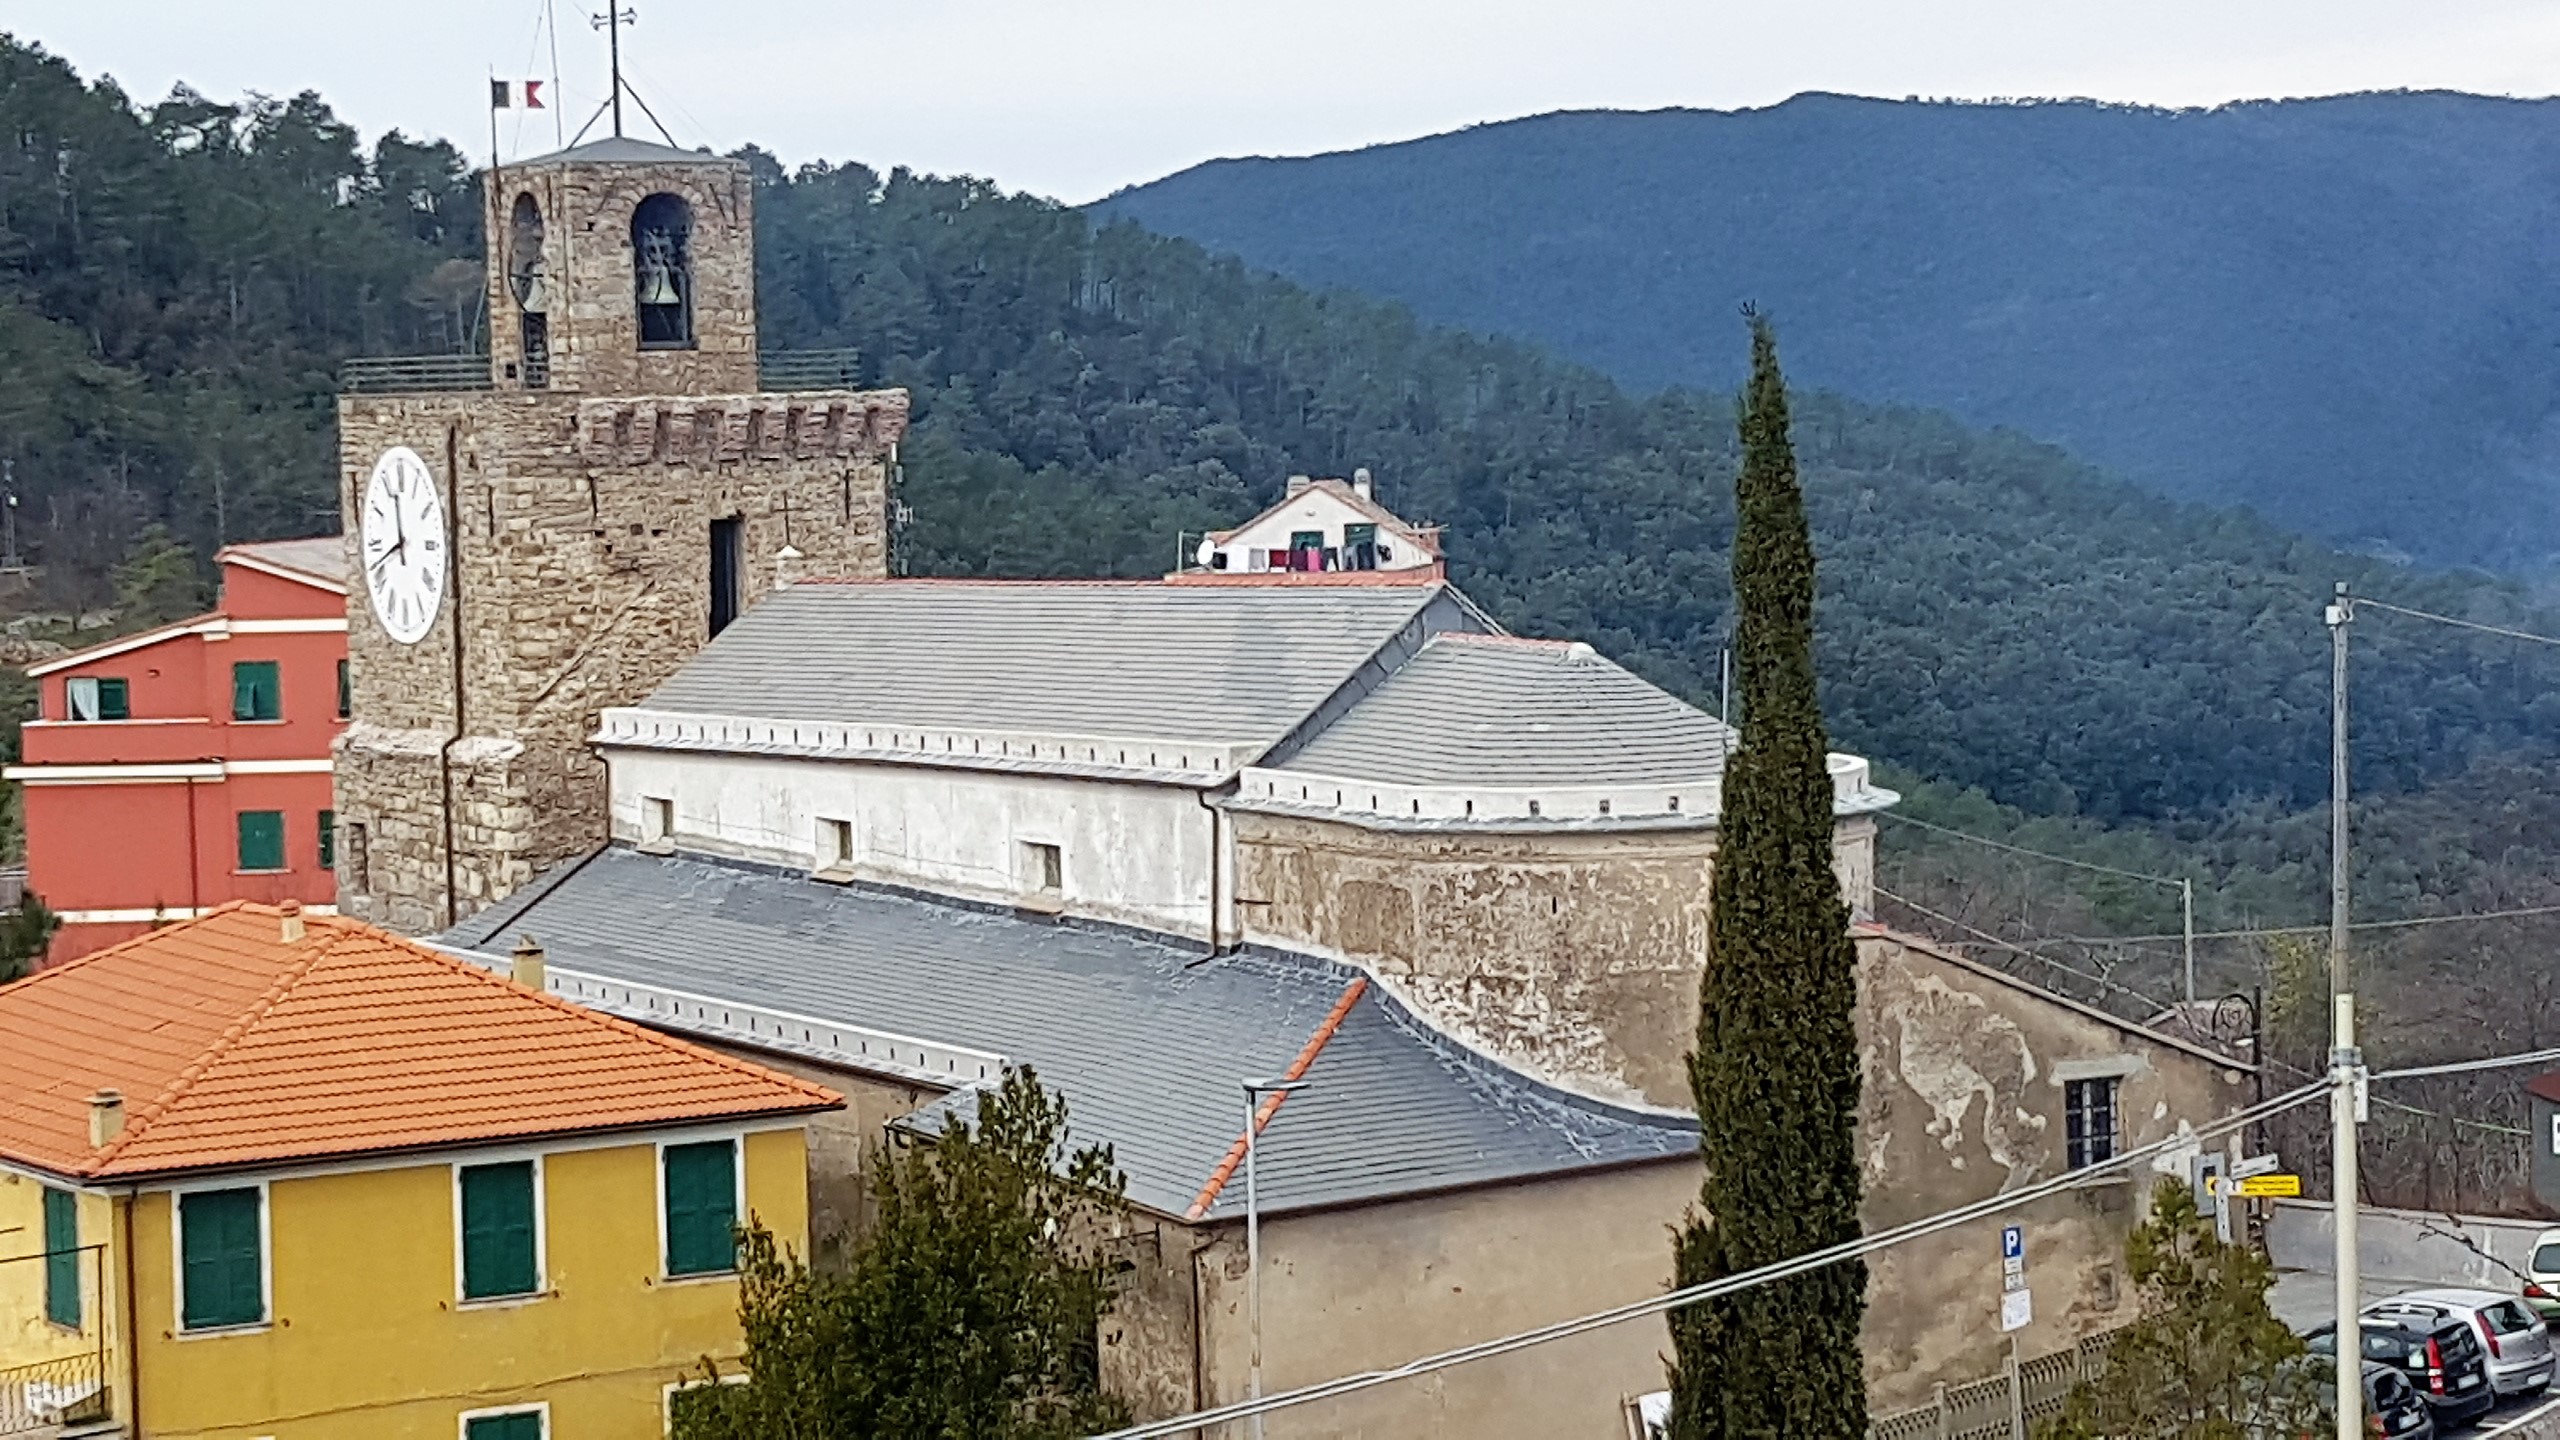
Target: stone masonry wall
(586, 247)
(581, 536)
(1573, 955)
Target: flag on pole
(516, 94)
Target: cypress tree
(1775, 1073)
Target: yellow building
(277, 1176)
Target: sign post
(2017, 1309)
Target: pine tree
(1775, 1072)
(2207, 1360)
(970, 1305)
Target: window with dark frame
(328, 839)
(219, 1264)
(261, 840)
(514, 1425)
(2089, 1122)
(346, 693)
(62, 1257)
(701, 1183)
(257, 692)
(97, 697)
(498, 1252)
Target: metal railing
(69, 1387)
(396, 374)
(380, 374)
(2007, 1405)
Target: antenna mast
(611, 22)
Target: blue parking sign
(2013, 1242)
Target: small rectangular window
(262, 840)
(62, 1257)
(514, 1425)
(702, 1207)
(96, 697)
(2089, 1122)
(657, 819)
(498, 1256)
(728, 571)
(1043, 868)
(328, 839)
(835, 845)
(256, 691)
(346, 693)
(358, 876)
(220, 1269)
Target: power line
(1730, 1285)
(1787, 1269)
(2036, 854)
(2361, 601)
(2522, 912)
(2010, 945)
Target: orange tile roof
(232, 1046)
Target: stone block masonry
(582, 538)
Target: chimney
(292, 921)
(1361, 485)
(786, 566)
(1298, 484)
(528, 969)
(106, 1117)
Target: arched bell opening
(531, 289)
(662, 272)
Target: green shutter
(702, 1208)
(261, 839)
(62, 1257)
(256, 693)
(497, 1230)
(218, 1258)
(328, 839)
(115, 700)
(522, 1425)
(346, 694)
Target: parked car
(2542, 1276)
(2443, 1361)
(2519, 1344)
(2392, 1409)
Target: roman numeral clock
(402, 540)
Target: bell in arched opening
(662, 272)
(532, 294)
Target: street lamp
(1254, 1090)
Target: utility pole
(2187, 922)
(615, 16)
(2346, 1063)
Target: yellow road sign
(2268, 1187)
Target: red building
(178, 768)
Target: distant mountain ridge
(2342, 312)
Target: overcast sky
(1075, 98)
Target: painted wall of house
(1318, 509)
(32, 1346)
(1129, 853)
(367, 1335)
(1965, 1080)
(1572, 954)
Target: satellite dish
(1208, 551)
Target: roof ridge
(1261, 1117)
(598, 1017)
(286, 978)
(992, 581)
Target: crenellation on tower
(623, 489)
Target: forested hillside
(178, 280)
(2338, 311)
(2040, 651)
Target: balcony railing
(65, 1292)
(410, 374)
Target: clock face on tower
(403, 543)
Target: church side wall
(1130, 854)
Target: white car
(2519, 1345)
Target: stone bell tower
(553, 529)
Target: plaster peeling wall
(1953, 1051)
